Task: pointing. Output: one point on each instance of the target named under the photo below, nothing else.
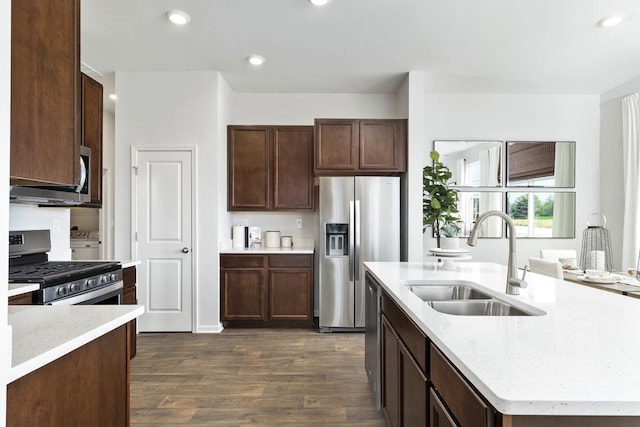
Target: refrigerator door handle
(357, 241)
(351, 240)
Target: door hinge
(135, 170)
(135, 236)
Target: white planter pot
(449, 242)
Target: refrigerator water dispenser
(337, 243)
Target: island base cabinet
(439, 415)
(405, 387)
(463, 402)
(390, 378)
(87, 387)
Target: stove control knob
(62, 290)
(74, 287)
(91, 283)
(104, 279)
(113, 277)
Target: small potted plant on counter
(449, 235)
(439, 202)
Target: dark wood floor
(252, 377)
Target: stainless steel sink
(478, 308)
(447, 292)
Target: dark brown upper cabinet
(360, 147)
(270, 168)
(45, 92)
(92, 134)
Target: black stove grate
(56, 272)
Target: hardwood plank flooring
(257, 377)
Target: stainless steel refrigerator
(359, 221)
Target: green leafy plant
(450, 229)
(439, 202)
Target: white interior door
(163, 222)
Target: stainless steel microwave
(58, 194)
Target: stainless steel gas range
(61, 282)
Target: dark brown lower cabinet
(414, 391)
(22, 299)
(390, 377)
(439, 415)
(405, 387)
(87, 387)
(266, 290)
(129, 297)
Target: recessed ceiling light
(319, 2)
(113, 96)
(178, 17)
(610, 21)
(256, 59)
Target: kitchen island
(573, 363)
(69, 365)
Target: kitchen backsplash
(56, 220)
(284, 222)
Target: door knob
(185, 250)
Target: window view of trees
(532, 219)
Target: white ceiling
(367, 46)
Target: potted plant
(439, 202)
(449, 235)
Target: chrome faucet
(514, 283)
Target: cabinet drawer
(414, 339)
(463, 402)
(295, 261)
(241, 261)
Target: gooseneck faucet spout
(514, 283)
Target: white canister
(272, 239)
(238, 236)
(286, 242)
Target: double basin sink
(461, 298)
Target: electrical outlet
(55, 226)
(299, 222)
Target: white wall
(611, 163)
(107, 213)
(413, 178)
(523, 117)
(173, 109)
(5, 135)
(56, 220)
(301, 108)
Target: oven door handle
(76, 299)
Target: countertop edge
(130, 263)
(16, 289)
(269, 251)
(64, 348)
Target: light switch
(299, 222)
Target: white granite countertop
(130, 263)
(303, 249)
(580, 358)
(42, 334)
(22, 288)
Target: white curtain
(564, 203)
(631, 152)
(489, 164)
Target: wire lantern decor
(596, 251)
